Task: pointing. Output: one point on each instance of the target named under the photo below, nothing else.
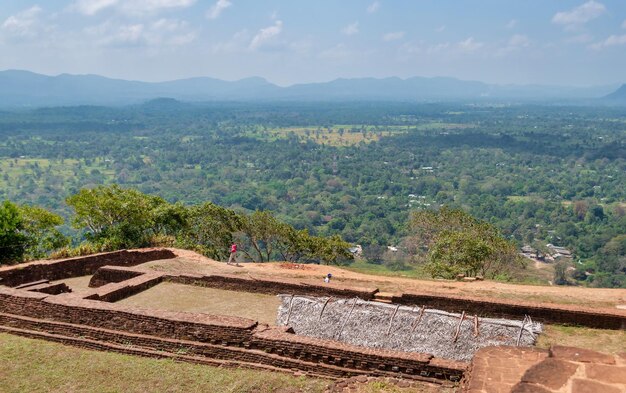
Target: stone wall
(543, 312)
(177, 325)
(67, 318)
(80, 266)
(120, 290)
(273, 287)
(110, 274)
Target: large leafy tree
(12, 238)
(40, 227)
(209, 229)
(116, 217)
(28, 232)
(457, 243)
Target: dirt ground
(192, 262)
(180, 297)
(77, 284)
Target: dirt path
(191, 262)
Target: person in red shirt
(233, 254)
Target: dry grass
(28, 365)
(179, 297)
(609, 341)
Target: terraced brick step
(192, 351)
(129, 350)
(384, 297)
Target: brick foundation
(74, 267)
(502, 308)
(71, 319)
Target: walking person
(233, 254)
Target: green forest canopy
(539, 174)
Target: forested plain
(540, 174)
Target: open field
(180, 297)
(591, 297)
(43, 172)
(348, 134)
(28, 365)
(608, 341)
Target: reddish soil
(192, 262)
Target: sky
(574, 43)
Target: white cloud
(580, 15)
(511, 24)
(613, 40)
(162, 32)
(393, 36)
(519, 40)
(266, 34)
(338, 52)
(373, 7)
(92, 7)
(217, 8)
(133, 7)
(24, 23)
(515, 43)
(440, 28)
(580, 39)
(470, 45)
(351, 29)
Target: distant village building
(559, 251)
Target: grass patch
(28, 365)
(609, 341)
(191, 298)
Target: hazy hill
(618, 95)
(28, 89)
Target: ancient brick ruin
(32, 306)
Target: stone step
(32, 284)
(384, 297)
(220, 354)
(102, 346)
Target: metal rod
(290, 308)
(346, 320)
(323, 307)
(419, 318)
(521, 330)
(458, 328)
(391, 320)
(476, 331)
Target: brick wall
(73, 319)
(73, 267)
(561, 314)
(120, 290)
(177, 325)
(108, 274)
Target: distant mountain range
(28, 89)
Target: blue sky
(296, 41)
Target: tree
(459, 243)
(116, 217)
(41, 232)
(209, 229)
(12, 240)
(262, 231)
(457, 252)
(28, 232)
